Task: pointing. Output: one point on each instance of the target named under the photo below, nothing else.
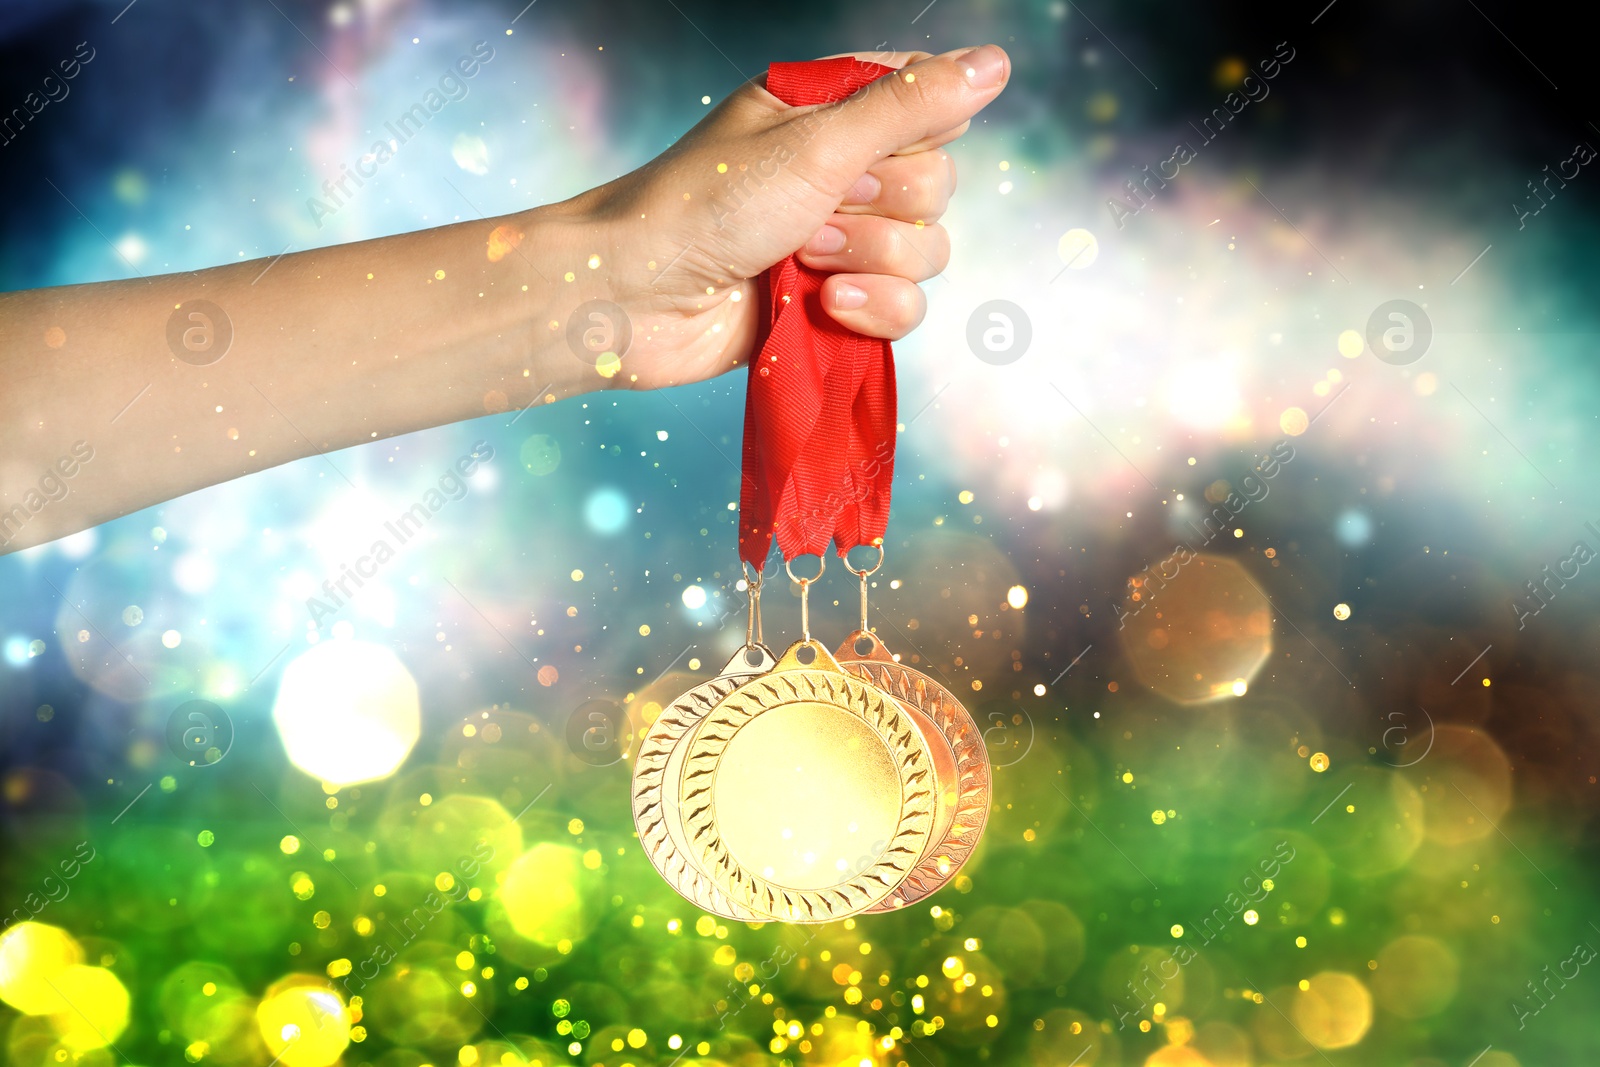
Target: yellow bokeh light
(97, 1010)
(1416, 976)
(303, 1022)
(1017, 597)
(32, 957)
(347, 712)
(1351, 344)
(1294, 421)
(540, 894)
(1334, 1010)
(1177, 1056)
(1078, 248)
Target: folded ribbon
(819, 428)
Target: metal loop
(822, 565)
(845, 559)
(863, 575)
(752, 628)
(805, 593)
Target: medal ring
(865, 573)
(822, 565)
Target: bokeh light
(33, 956)
(1468, 783)
(1196, 635)
(404, 859)
(1334, 1010)
(606, 511)
(1416, 976)
(303, 1022)
(347, 712)
(97, 1007)
(542, 897)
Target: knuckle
(917, 93)
(893, 251)
(906, 306)
(938, 239)
(930, 189)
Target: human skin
(338, 346)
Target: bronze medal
(962, 805)
(807, 794)
(965, 780)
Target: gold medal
(657, 771)
(807, 793)
(962, 761)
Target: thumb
(918, 102)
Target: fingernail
(847, 297)
(864, 191)
(826, 241)
(984, 66)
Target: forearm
(329, 348)
(120, 395)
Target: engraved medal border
(975, 779)
(822, 681)
(655, 800)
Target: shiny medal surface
(962, 805)
(658, 770)
(807, 794)
(965, 779)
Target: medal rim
(650, 781)
(974, 774)
(893, 726)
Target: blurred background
(1255, 525)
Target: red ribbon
(819, 417)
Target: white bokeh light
(1204, 393)
(347, 712)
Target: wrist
(573, 258)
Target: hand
(338, 346)
(857, 187)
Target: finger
(910, 188)
(938, 140)
(877, 305)
(924, 100)
(872, 244)
(888, 59)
